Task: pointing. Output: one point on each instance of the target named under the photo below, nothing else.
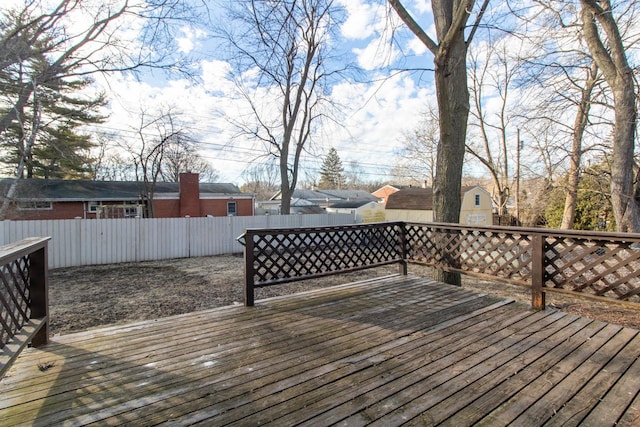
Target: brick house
(65, 199)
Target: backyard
(81, 298)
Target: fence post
(39, 293)
(248, 270)
(537, 271)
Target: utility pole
(517, 195)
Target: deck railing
(275, 256)
(597, 265)
(23, 297)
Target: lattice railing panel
(601, 267)
(484, 252)
(14, 298)
(284, 255)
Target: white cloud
(377, 54)
(380, 115)
(216, 76)
(417, 47)
(363, 19)
(422, 6)
(191, 36)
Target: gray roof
(324, 196)
(82, 190)
(352, 204)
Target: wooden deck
(392, 351)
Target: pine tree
(47, 138)
(331, 172)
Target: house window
(128, 209)
(232, 209)
(132, 211)
(93, 206)
(476, 201)
(35, 206)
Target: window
(132, 211)
(232, 209)
(127, 209)
(93, 206)
(476, 202)
(34, 206)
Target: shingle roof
(417, 198)
(82, 190)
(411, 199)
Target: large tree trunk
(453, 107)
(612, 60)
(625, 206)
(450, 55)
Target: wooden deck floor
(393, 351)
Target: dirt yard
(87, 297)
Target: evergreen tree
(331, 172)
(44, 140)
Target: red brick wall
(218, 207)
(166, 208)
(67, 210)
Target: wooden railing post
(249, 289)
(537, 271)
(39, 293)
(402, 236)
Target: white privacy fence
(76, 242)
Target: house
(66, 199)
(315, 201)
(362, 210)
(384, 192)
(416, 204)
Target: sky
(379, 109)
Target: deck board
(389, 351)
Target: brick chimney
(189, 194)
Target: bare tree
(418, 154)
(285, 46)
(494, 72)
(261, 179)
(605, 42)
(450, 52)
(181, 155)
(570, 100)
(575, 158)
(155, 134)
